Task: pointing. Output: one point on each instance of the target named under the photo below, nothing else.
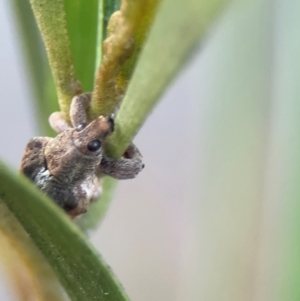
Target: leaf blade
(82, 19)
(79, 268)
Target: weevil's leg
(33, 159)
(78, 109)
(126, 167)
(58, 123)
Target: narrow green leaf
(179, 26)
(82, 22)
(79, 268)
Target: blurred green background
(215, 215)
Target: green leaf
(77, 265)
(82, 22)
(179, 26)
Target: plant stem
(127, 31)
(165, 52)
(160, 61)
(51, 20)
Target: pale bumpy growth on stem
(127, 30)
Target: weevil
(67, 167)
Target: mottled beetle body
(66, 167)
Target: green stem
(51, 20)
(127, 31)
(160, 61)
(37, 64)
(156, 67)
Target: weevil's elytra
(66, 167)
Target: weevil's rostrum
(67, 167)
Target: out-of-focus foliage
(38, 66)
